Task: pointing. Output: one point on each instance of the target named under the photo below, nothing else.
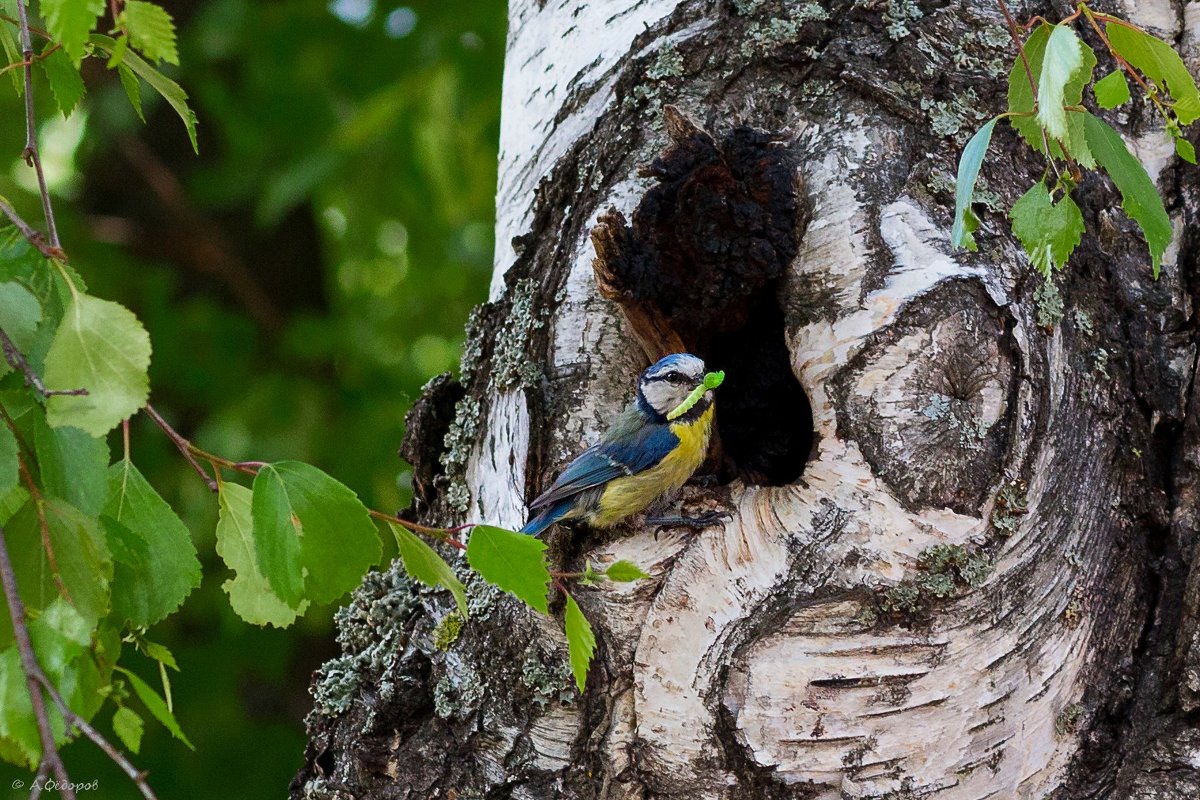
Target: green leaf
(133, 89)
(171, 91)
(60, 635)
(84, 565)
(1112, 90)
(1064, 57)
(9, 470)
(20, 313)
(1139, 197)
(250, 594)
(1185, 150)
(155, 565)
(581, 642)
(70, 22)
(1159, 61)
(424, 564)
(19, 740)
(624, 572)
(313, 537)
(10, 502)
(159, 653)
(12, 55)
(65, 81)
(1021, 103)
(512, 562)
(102, 347)
(128, 726)
(73, 465)
(151, 30)
(155, 705)
(1049, 231)
(964, 187)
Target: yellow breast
(631, 494)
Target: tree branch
(17, 361)
(118, 758)
(184, 446)
(30, 154)
(32, 670)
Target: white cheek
(660, 396)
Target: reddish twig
(33, 672)
(32, 235)
(184, 446)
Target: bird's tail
(547, 517)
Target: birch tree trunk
(961, 557)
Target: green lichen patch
(549, 678)
(943, 571)
(459, 440)
(447, 631)
(1069, 719)
(511, 365)
(371, 629)
(1049, 304)
(1011, 505)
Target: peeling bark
(962, 559)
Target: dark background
(301, 279)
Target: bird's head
(676, 385)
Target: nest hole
(764, 417)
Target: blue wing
(633, 445)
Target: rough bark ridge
(976, 577)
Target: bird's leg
(679, 521)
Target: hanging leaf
(1049, 231)
(20, 313)
(154, 559)
(128, 726)
(250, 594)
(512, 562)
(1139, 197)
(9, 468)
(133, 89)
(155, 705)
(624, 572)
(70, 22)
(1021, 100)
(151, 30)
(1185, 150)
(314, 539)
(66, 84)
(73, 465)
(1158, 60)
(171, 91)
(82, 566)
(19, 740)
(581, 642)
(1063, 58)
(423, 563)
(1112, 90)
(100, 346)
(964, 187)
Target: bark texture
(962, 554)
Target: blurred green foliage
(300, 279)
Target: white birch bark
(760, 660)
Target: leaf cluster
(1046, 91)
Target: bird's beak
(711, 381)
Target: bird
(651, 449)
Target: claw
(703, 521)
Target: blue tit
(653, 448)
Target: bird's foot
(677, 521)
